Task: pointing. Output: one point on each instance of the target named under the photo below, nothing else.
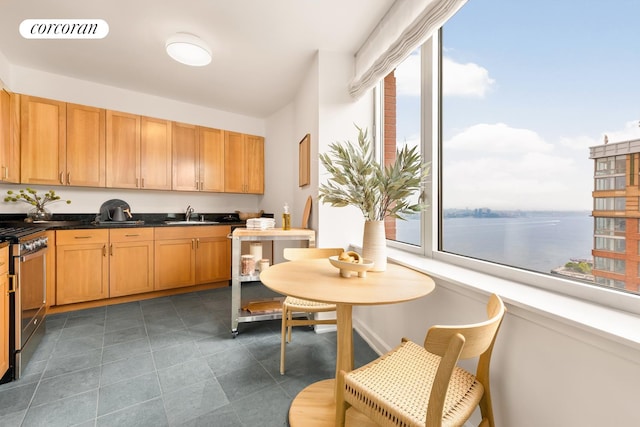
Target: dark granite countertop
(87, 221)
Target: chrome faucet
(188, 212)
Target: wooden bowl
(346, 268)
(246, 215)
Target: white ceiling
(261, 48)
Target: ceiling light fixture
(188, 49)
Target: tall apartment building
(616, 213)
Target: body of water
(538, 241)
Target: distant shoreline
(490, 213)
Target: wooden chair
(415, 385)
(298, 305)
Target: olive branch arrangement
(357, 179)
(31, 197)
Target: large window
(402, 126)
(527, 88)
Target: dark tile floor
(168, 361)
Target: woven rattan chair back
(415, 385)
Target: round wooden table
(318, 280)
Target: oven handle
(36, 254)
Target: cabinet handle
(142, 182)
(12, 283)
(131, 235)
(111, 249)
(82, 237)
(193, 244)
(6, 172)
(197, 243)
(201, 185)
(62, 178)
(104, 250)
(68, 178)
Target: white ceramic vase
(374, 244)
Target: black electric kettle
(117, 215)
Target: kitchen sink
(190, 222)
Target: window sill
(556, 311)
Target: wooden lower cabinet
(187, 256)
(4, 310)
(82, 265)
(130, 261)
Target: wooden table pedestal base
(315, 406)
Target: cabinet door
(212, 168)
(155, 154)
(235, 162)
(254, 160)
(174, 263)
(85, 146)
(82, 273)
(130, 268)
(9, 137)
(4, 311)
(123, 150)
(213, 259)
(185, 157)
(42, 137)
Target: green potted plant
(39, 212)
(358, 179)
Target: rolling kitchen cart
(239, 235)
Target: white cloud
(497, 138)
(468, 80)
(500, 167)
(630, 131)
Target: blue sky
(529, 86)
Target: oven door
(30, 295)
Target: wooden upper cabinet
(255, 164)
(211, 142)
(138, 152)
(244, 163)
(85, 147)
(62, 144)
(9, 137)
(155, 154)
(123, 150)
(198, 158)
(43, 141)
(186, 171)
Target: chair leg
(289, 319)
(341, 404)
(283, 337)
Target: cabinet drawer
(79, 237)
(191, 231)
(121, 235)
(4, 260)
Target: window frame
(431, 133)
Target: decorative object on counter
(116, 210)
(247, 215)
(255, 249)
(39, 212)
(349, 262)
(264, 264)
(358, 179)
(261, 223)
(286, 218)
(248, 263)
